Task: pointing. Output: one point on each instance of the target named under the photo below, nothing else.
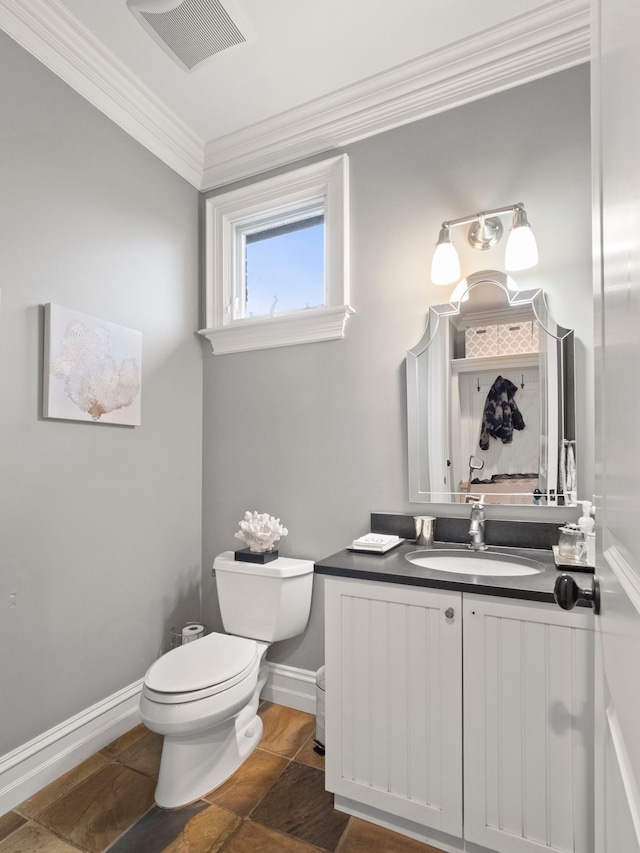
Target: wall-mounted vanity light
(485, 231)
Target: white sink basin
(467, 562)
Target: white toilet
(203, 696)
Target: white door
(616, 145)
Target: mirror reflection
(490, 397)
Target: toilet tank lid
(283, 567)
(201, 663)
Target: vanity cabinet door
(528, 726)
(394, 700)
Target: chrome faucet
(476, 530)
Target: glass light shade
(445, 267)
(521, 252)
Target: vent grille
(194, 30)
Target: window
(277, 260)
(284, 266)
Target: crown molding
(551, 38)
(56, 38)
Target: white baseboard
(32, 766)
(290, 686)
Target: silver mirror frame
(420, 490)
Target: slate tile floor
(275, 803)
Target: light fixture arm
(476, 217)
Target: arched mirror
(490, 398)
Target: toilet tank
(264, 601)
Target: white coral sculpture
(260, 531)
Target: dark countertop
(392, 567)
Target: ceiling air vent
(192, 30)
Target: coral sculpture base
(246, 555)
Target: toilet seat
(201, 668)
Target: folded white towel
(379, 542)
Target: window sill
(298, 327)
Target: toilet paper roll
(192, 631)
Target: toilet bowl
(209, 729)
(203, 696)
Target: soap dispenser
(587, 525)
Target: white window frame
(229, 215)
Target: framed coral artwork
(92, 369)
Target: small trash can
(320, 706)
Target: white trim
(299, 327)
(625, 767)
(529, 46)
(291, 687)
(228, 214)
(61, 42)
(553, 37)
(37, 763)
(32, 766)
(623, 570)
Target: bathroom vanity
(459, 707)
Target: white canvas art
(92, 369)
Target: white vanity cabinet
(394, 700)
(528, 725)
(413, 674)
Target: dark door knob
(567, 593)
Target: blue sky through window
(285, 272)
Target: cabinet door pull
(449, 613)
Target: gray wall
(316, 434)
(100, 538)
